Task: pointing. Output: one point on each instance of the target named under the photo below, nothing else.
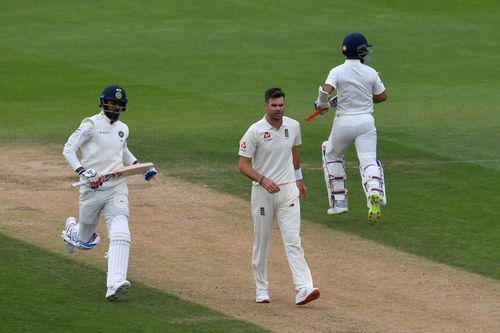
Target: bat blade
(129, 170)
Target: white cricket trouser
(112, 202)
(357, 129)
(285, 205)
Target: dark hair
(273, 93)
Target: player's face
(275, 108)
(113, 106)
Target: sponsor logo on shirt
(243, 146)
(121, 134)
(267, 136)
(103, 132)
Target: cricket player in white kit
(269, 156)
(358, 87)
(102, 141)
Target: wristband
(298, 174)
(80, 170)
(261, 179)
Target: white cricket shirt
(356, 83)
(103, 146)
(271, 149)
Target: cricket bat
(138, 168)
(333, 103)
(314, 114)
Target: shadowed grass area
(46, 292)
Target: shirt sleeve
(248, 144)
(75, 141)
(298, 137)
(128, 157)
(378, 86)
(332, 78)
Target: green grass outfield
(45, 292)
(195, 73)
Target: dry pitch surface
(196, 243)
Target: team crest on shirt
(243, 146)
(121, 134)
(267, 136)
(286, 133)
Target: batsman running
(102, 141)
(357, 87)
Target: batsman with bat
(358, 87)
(102, 141)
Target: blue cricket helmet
(355, 46)
(117, 95)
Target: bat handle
(314, 114)
(80, 183)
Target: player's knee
(119, 230)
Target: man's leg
(116, 212)
(263, 215)
(288, 216)
(336, 183)
(81, 235)
(371, 172)
(333, 165)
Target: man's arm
(75, 141)
(380, 97)
(245, 166)
(328, 88)
(298, 172)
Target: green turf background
(195, 73)
(45, 292)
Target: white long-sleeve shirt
(103, 146)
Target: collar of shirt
(105, 117)
(352, 61)
(270, 127)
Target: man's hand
(150, 173)
(302, 188)
(322, 102)
(269, 185)
(94, 179)
(332, 103)
(318, 107)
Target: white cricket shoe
(374, 212)
(340, 207)
(70, 237)
(262, 296)
(94, 240)
(306, 295)
(118, 290)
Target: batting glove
(150, 174)
(332, 103)
(324, 107)
(94, 179)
